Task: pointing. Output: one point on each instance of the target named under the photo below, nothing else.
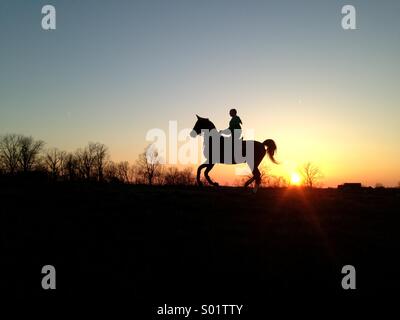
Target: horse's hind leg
(201, 167)
(208, 169)
(257, 177)
(256, 174)
(249, 181)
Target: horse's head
(201, 124)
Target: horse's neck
(212, 126)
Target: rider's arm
(226, 131)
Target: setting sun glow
(295, 179)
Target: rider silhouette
(234, 130)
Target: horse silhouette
(229, 150)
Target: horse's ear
(198, 118)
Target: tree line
(21, 155)
(310, 174)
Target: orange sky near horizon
(341, 157)
(313, 130)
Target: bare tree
(148, 165)
(266, 177)
(100, 157)
(29, 150)
(70, 168)
(279, 182)
(118, 171)
(110, 171)
(187, 177)
(174, 176)
(138, 174)
(84, 161)
(9, 152)
(91, 161)
(171, 176)
(54, 162)
(311, 174)
(123, 172)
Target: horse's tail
(271, 149)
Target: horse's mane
(212, 124)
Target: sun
(295, 179)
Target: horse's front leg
(209, 167)
(201, 167)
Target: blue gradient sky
(115, 69)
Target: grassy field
(188, 244)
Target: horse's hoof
(199, 184)
(216, 184)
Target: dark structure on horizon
(350, 186)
